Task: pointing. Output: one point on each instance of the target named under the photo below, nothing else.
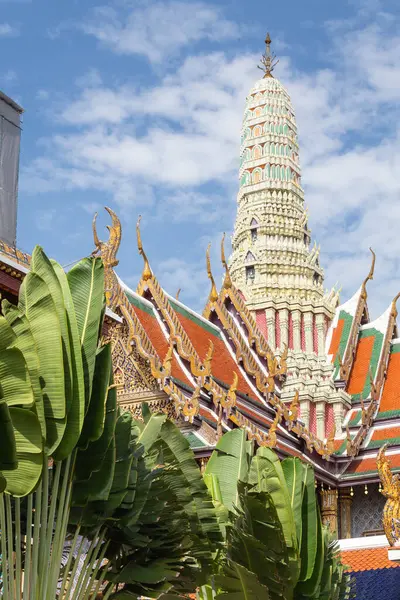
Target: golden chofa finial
(394, 308)
(268, 59)
(147, 274)
(108, 250)
(227, 280)
(213, 297)
(371, 272)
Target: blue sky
(138, 105)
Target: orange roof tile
(361, 365)
(222, 365)
(368, 465)
(336, 337)
(386, 434)
(159, 341)
(391, 392)
(367, 559)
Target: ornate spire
(147, 274)
(268, 59)
(213, 297)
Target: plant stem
(28, 548)
(89, 561)
(18, 548)
(50, 526)
(10, 538)
(35, 546)
(74, 570)
(95, 574)
(43, 556)
(68, 565)
(59, 535)
(6, 592)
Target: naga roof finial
(268, 59)
(227, 280)
(394, 302)
(147, 274)
(371, 272)
(213, 297)
(108, 250)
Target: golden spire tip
(268, 59)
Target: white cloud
(168, 145)
(7, 30)
(159, 29)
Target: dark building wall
(10, 134)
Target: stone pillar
(320, 413)
(329, 509)
(296, 318)
(284, 323)
(338, 416)
(345, 501)
(308, 329)
(270, 316)
(320, 324)
(305, 412)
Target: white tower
(272, 262)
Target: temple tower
(273, 262)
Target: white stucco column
(296, 330)
(320, 412)
(320, 323)
(308, 327)
(284, 325)
(338, 416)
(270, 316)
(305, 412)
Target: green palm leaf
(28, 438)
(239, 583)
(24, 340)
(73, 367)
(309, 519)
(86, 281)
(36, 302)
(229, 463)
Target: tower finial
(268, 59)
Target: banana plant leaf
(86, 282)
(74, 370)
(255, 541)
(239, 583)
(24, 340)
(8, 455)
(229, 463)
(28, 438)
(16, 386)
(42, 266)
(266, 475)
(309, 517)
(95, 416)
(36, 302)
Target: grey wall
(10, 133)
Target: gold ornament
(391, 490)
